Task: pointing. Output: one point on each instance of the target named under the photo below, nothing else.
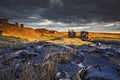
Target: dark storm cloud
(62, 10)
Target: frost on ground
(48, 61)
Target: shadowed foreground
(48, 61)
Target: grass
(43, 71)
(9, 41)
(29, 72)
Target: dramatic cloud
(60, 11)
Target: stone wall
(5, 21)
(1, 32)
(71, 33)
(84, 35)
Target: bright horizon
(63, 27)
(61, 15)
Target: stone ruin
(5, 21)
(84, 35)
(17, 24)
(22, 25)
(71, 33)
(1, 32)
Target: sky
(61, 15)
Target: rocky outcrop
(61, 62)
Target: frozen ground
(87, 62)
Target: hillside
(16, 31)
(9, 41)
(41, 54)
(111, 36)
(52, 35)
(23, 32)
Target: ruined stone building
(1, 32)
(4, 21)
(17, 24)
(84, 35)
(71, 33)
(22, 25)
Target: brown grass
(44, 71)
(29, 72)
(104, 35)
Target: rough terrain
(48, 61)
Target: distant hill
(23, 32)
(43, 34)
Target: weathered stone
(62, 76)
(71, 34)
(84, 35)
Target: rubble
(62, 76)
